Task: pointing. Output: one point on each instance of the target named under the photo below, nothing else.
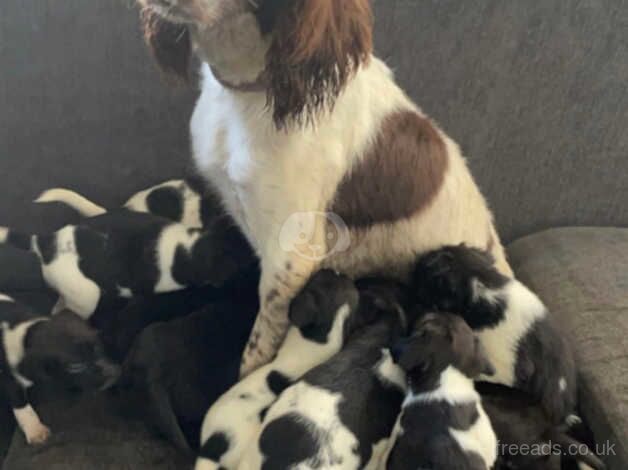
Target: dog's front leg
(286, 267)
(27, 418)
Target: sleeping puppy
(514, 326)
(184, 201)
(341, 413)
(176, 369)
(518, 422)
(122, 254)
(35, 349)
(442, 425)
(322, 315)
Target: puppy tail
(79, 203)
(577, 450)
(21, 241)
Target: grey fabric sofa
(535, 92)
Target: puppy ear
(317, 45)
(170, 43)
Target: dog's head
(328, 302)
(440, 340)
(314, 45)
(65, 351)
(453, 278)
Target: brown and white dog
(315, 151)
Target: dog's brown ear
(316, 47)
(170, 43)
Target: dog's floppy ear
(316, 47)
(170, 43)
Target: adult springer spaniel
(313, 148)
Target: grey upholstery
(582, 275)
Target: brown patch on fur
(400, 175)
(170, 43)
(272, 296)
(317, 45)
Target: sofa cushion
(88, 434)
(582, 275)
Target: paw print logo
(297, 235)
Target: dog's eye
(76, 368)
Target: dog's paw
(38, 435)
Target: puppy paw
(38, 434)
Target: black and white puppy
(442, 425)
(520, 424)
(341, 413)
(185, 201)
(123, 254)
(325, 312)
(34, 349)
(526, 348)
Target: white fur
(13, 342)
(191, 202)
(321, 407)
(456, 389)
(562, 384)
(4, 233)
(337, 443)
(265, 175)
(523, 310)
(63, 274)
(6, 298)
(239, 418)
(31, 425)
(73, 199)
(171, 238)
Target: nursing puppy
(122, 254)
(512, 323)
(62, 350)
(184, 201)
(521, 423)
(323, 315)
(341, 413)
(442, 425)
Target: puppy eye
(76, 368)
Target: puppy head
(452, 278)
(437, 342)
(385, 297)
(66, 351)
(328, 301)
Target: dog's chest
(263, 175)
